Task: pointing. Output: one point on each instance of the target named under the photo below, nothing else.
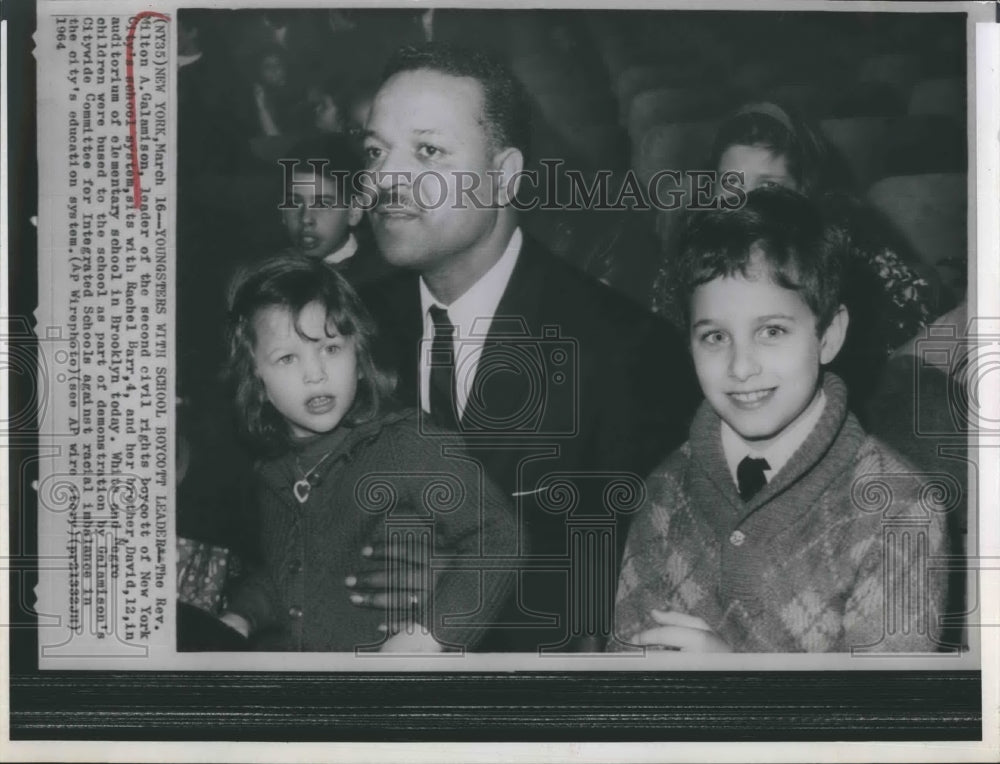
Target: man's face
(425, 141)
(320, 223)
(756, 352)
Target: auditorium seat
(544, 71)
(570, 101)
(805, 98)
(924, 143)
(548, 142)
(682, 146)
(601, 144)
(665, 105)
(556, 229)
(572, 104)
(942, 95)
(617, 56)
(751, 79)
(929, 213)
(636, 79)
(688, 40)
(860, 142)
(866, 99)
(674, 146)
(900, 70)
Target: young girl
(889, 299)
(341, 474)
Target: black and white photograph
(499, 375)
(541, 220)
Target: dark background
(523, 706)
(617, 92)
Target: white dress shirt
(471, 315)
(783, 447)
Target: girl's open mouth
(320, 404)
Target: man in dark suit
(564, 392)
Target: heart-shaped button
(301, 490)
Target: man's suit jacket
(577, 396)
(366, 265)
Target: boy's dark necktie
(750, 476)
(442, 378)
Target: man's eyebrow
(702, 322)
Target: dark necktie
(442, 363)
(750, 476)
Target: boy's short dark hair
(801, 250)
(506, 106)
(293, 281)
(340, 157)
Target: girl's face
(760, 167)
(310, 378)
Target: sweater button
(295, 612)
(295, 567)
(736, 538)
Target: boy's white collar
(781, 448)
(347, 250)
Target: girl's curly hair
(292, 281)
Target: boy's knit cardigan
(830, 556)
(384, 476)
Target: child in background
(339, 469)
(890, 297)
(764, 532)
(276, 94)
(321, 210)
(327, 106)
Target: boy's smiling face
(756, 351)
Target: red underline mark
(130, 97)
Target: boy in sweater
(780, 526)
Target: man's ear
(354, 212)
(833, 338)
(508, 166)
